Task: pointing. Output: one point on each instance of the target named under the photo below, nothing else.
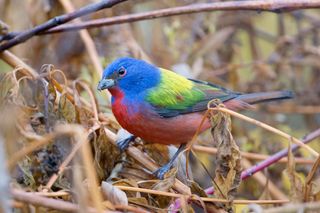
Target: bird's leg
(123, 143)
(159, 173)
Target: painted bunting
(163, 107)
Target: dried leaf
(159, 153)
(113, 194)
(105, 155)
(296, 183)
(84, 116)
(141, 201)
(196, 189)
(6, 84)
(128, 182)
(163, 185)
(167, 183)
(228, 171)
(66, 109)
(312, 183)
(315, 189)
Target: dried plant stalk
(228, 171)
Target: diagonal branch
(58, 20)
(274, 158)
(259, 5)
(262, 165)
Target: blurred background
(241, 50)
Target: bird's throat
(116, 93)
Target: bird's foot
(123, 144)
(159, 173)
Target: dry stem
(259, 5)
(267, 127)
(250, 155)
(206, 199)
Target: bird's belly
(155, 129)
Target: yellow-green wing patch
(176, 95)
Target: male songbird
(163, 107)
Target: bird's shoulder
(174, 91)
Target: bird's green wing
(176, 95)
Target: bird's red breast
(153, 128)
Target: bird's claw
(124, 143)
(159, 173)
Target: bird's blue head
(131, 76)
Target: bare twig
(58, 20)
(68, 159)
(51, 203)
(309, 178)
(277, 156)
(259, 5)
(15, 62)
(91, 174)
(205, 199)
(267, 127)
(87, 40)
(273, 159)
(263, 164)
(304, 207)
(274, 191)
(250, 155)
(28, 149)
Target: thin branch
(309, 178)
(250, 155)
(274, 158)
(15, 62)
(267, 127)
(69, 158)
(51, 203)
(263, 181)
(259, 5)
(263, 164)
(34, 145)
(86, 38)
(294, 207)
(206, 199)
(87, 159)
(58, 20)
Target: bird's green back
(176, 94)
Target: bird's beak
(105, 84)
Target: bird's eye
(122, 71)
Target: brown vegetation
(58, 135)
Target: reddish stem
(261, 165)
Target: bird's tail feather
(259, 97)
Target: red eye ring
(122, 71)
